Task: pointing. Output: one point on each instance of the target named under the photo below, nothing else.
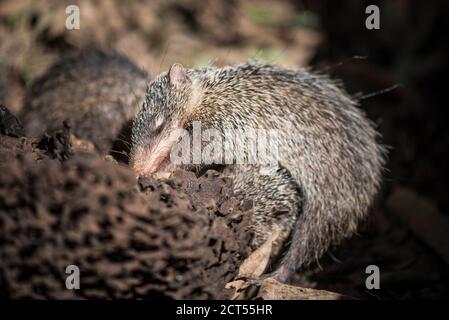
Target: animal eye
(158, 126)
(158, 130)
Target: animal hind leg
(276, 200)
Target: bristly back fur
(328, 147)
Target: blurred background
(399, 72)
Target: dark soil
(181, 238)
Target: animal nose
(144, 169)
(159, 169)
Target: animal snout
(155, 164)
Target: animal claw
(252, 280)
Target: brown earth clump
(179, 238)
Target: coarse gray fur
(97, 90)
(330, 163)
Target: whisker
(339, 64)
(164, 54)
(128, 144)
(120, 152)
(376, 93)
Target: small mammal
(329, 166)
(99, 91)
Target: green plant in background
(262, 14)
(14, 20)
(200, 59)
(265, 15)
(271, 55)
(305, 19)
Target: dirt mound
(180, 238)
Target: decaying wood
(182, 238)
(274, 290)
(270, 289)
(253, 266)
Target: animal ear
(177, 74)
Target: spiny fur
(330, 161)
(98, 90)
